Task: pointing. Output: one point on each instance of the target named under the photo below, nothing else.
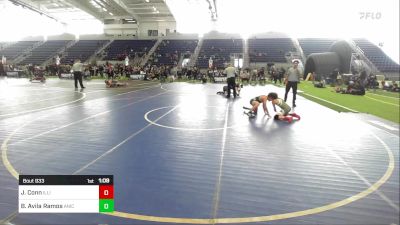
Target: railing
(93, 56)
(26, 53)
(362, 56)
(181, 58)
(299, 49)
(152, 50)
(246, 57)
(59, 51)
(70, 44)
(195, 55)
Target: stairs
(59, 52)
(195, 55)
(180, 60)
(26, 53)
(246, 57)
(299, 50)
(150, 53)
(361, 57)
(99, 51)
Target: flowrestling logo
(370, 15)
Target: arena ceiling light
(95, 4)
(27, 6)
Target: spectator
(372, 82)
(244, 75)
(2, 73)
(395, 88)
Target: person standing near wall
(292, 78)
(77, 68)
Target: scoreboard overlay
(65, 193)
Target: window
(152, 33)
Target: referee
(230, 75)
(77, 68)
(292, 78)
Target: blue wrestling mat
(180, 153)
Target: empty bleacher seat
(377, 56)
(82, 50)
(316, 45)
(220, 50)
(169, 52)
(118, 49)
(45, 51)
(14, 50)
(270, 49)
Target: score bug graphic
(66, 193)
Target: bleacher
(169, 52)
(12, 51)
(2, 44)
(82, 50)
(270, 49)
(118, 49)
(220, 50)
(315, 45)
(40, 54)
(377, 56)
